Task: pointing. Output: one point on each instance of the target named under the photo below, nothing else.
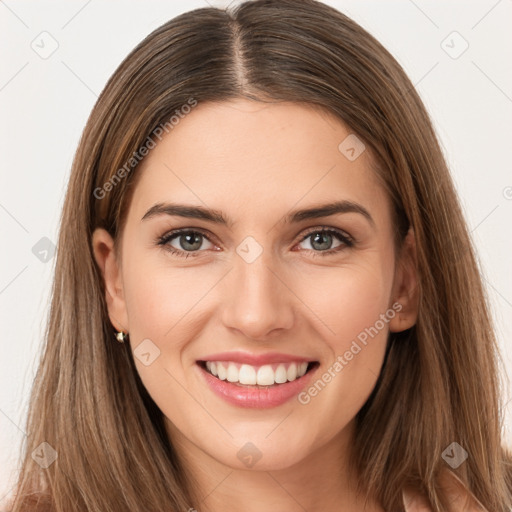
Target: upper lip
(256, 359)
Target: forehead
(257, 158)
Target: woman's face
(252, 285)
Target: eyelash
(346, 240)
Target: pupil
(191, 241)
(322, 245)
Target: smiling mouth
(259, 377)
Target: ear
(405, 287)
(103, 247)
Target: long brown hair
(439, 382)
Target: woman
(260, 213)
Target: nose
(258, 302)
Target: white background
(44, 104)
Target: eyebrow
(216, 216)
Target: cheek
(164, 306)
(147, 299)
(362, 299)
(161, 298)
(346, 299)
(170, 306)
(353, 303)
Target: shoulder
(460, 497)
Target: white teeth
(221, 370)
(251, 375)
(266, 375)
(301, 369)
(247, 374)
(232, 373)
(212, 367)
(292, 372)
(281, 375)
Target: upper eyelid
(316, 229)
(175, 232)
(308, 232)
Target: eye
(322, 240)
(185, 242)
(190, 242)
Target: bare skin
(256, 163)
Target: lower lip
(252, 396)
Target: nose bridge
(257, 302)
